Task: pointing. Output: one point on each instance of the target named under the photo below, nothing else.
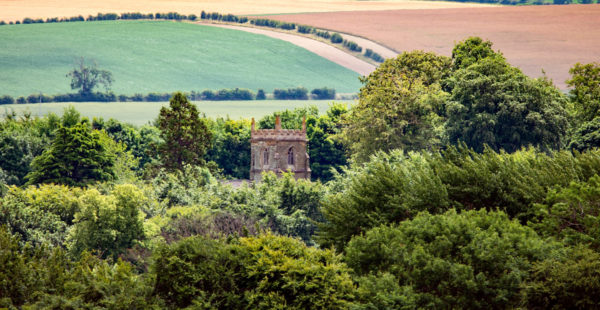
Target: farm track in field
(534, 38)
(12, 10)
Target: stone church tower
(279, 150)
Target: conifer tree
(186, 137)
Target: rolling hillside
(159, 56)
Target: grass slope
(157, 56)
(139, 113)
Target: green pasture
(159, 56)
(139, 113)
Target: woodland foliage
(406, 209)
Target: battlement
(278, 150)
(278, 133)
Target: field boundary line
(320, 47)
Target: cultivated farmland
(159, 56)
(552, 38)
(139, 113)
(19, 9)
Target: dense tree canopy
(495, 104)
(76, 157)
(471, 260)
(186, 137)
(400, 106)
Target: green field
(139, 113)
(159, 56)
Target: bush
(353, 46)
(369, 53)
(7, 100)
(336, 38)
(324, 34)
(298, 93)
(21, 100)
(323, 93)
(260, 95)
(305, 29)
(156, 97)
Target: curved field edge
(159, 56)
(13, 10)
(140, 113)
(551, 38)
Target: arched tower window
(291, 156)
(265, 157)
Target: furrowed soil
(534, 38)
(13, 10)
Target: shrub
(7, 100)
(324, 34)
(336, 38)
(353, 46)
(369, 53)
(156, 97)
(305, 29)
(298, 93)
(323, 93)
(21, 100)
(260, 95)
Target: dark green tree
(495, 104)
(185, 135)
(86, 77)
(586, 136)
(231, 146)
(76, 158)
(326, 152)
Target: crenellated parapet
(279, 150)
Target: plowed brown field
(12, 10)
(552, 38)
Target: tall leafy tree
(400, 106)
(585, 80)
(585, 96)
(495, 104)
(76, 157)
(186, 137)
(85, 78)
